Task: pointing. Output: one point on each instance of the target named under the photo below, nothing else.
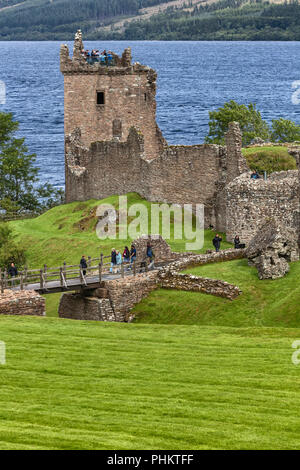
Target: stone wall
(160, 247)
(80, 307)
(22, 303)
(188, 282)
(250, 203)
(179, 175)
(186, 260)
(112, 302)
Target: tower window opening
(100, 97)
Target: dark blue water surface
(193, 78)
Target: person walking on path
(132, 254)
(150, 255)
(217, 242)
(83, 264)
(126, 255)
(118, 260)
(113, 260)
(12, 272)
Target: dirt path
(12, 6)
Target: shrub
(269, 159)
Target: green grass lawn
(85, 385)
(262, 303)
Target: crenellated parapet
(110, 64)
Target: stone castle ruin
(113, 145)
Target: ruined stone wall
(187, 175)
(22, 303)
(190, 283)
(180, 175)
(249, 203)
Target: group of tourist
(95, 56)
(217, 242)
(128, 257)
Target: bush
(269, 159)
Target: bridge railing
(66, 276)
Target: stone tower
(106, 98)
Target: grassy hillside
(221, 20)
(150, 19)
(85, 385)
(66, 232)
(59, 19)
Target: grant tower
(105, 97)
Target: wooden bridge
(72, 277)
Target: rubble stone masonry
(250, 203)
(22, 303)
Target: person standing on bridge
(126, 255)
(118, 261)
(12, 272)
(83, 265)
(113, 260)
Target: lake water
(193, 78)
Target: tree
(285, 130)
(250, 120)
(19, 190)
(10, 251)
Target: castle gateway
(113, 145)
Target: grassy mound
(263, 303)
(269, 159)
(66, 232)
(85, 385)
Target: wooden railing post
(41, 279)
(89, 263)
(65, 271)
(134, 267)
(21, 281)
(25, 274)
(5, 278)
(81, 275)
(61, 277)
(100, 272)
(45, 273)
(122, 270)
(2, 281)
